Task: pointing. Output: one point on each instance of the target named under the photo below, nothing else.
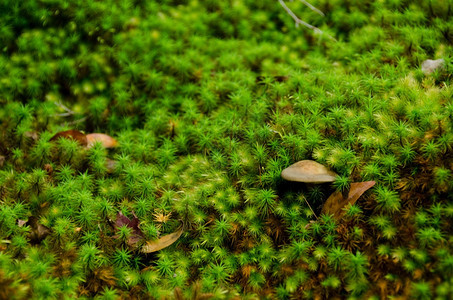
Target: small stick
(311, 208)
(312, 8)
(68, 112)
(299, 21)
(75, 122)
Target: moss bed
(209, 101)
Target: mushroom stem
(310, 172)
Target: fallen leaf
(38, 231)
(122, 220)
(106, 140)
(336, 201)
(33, 135)
(71, 134)
(42, 230)
(163, 242)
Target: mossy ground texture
(210, 101)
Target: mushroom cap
(308, 171)
(71, 134)
(106, 140)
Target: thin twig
(74, 122)
(299, 21)
(311, 208)
(312, 8)
(69, 112)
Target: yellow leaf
(163, 242)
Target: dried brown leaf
(38, 231)
(163, 242)
(106, 140)
(336, 201)
(134, 224)
(33, 135)
(71, 134)
(42, 230)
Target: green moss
(209, 102)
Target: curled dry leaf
(163, 242)
(38, 231)
(71, 134)
(106, 140)
(336, 201)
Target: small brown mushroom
(106, 140)
(71, 134)
(308, 171)
(87, 140)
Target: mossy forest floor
(209, 101)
